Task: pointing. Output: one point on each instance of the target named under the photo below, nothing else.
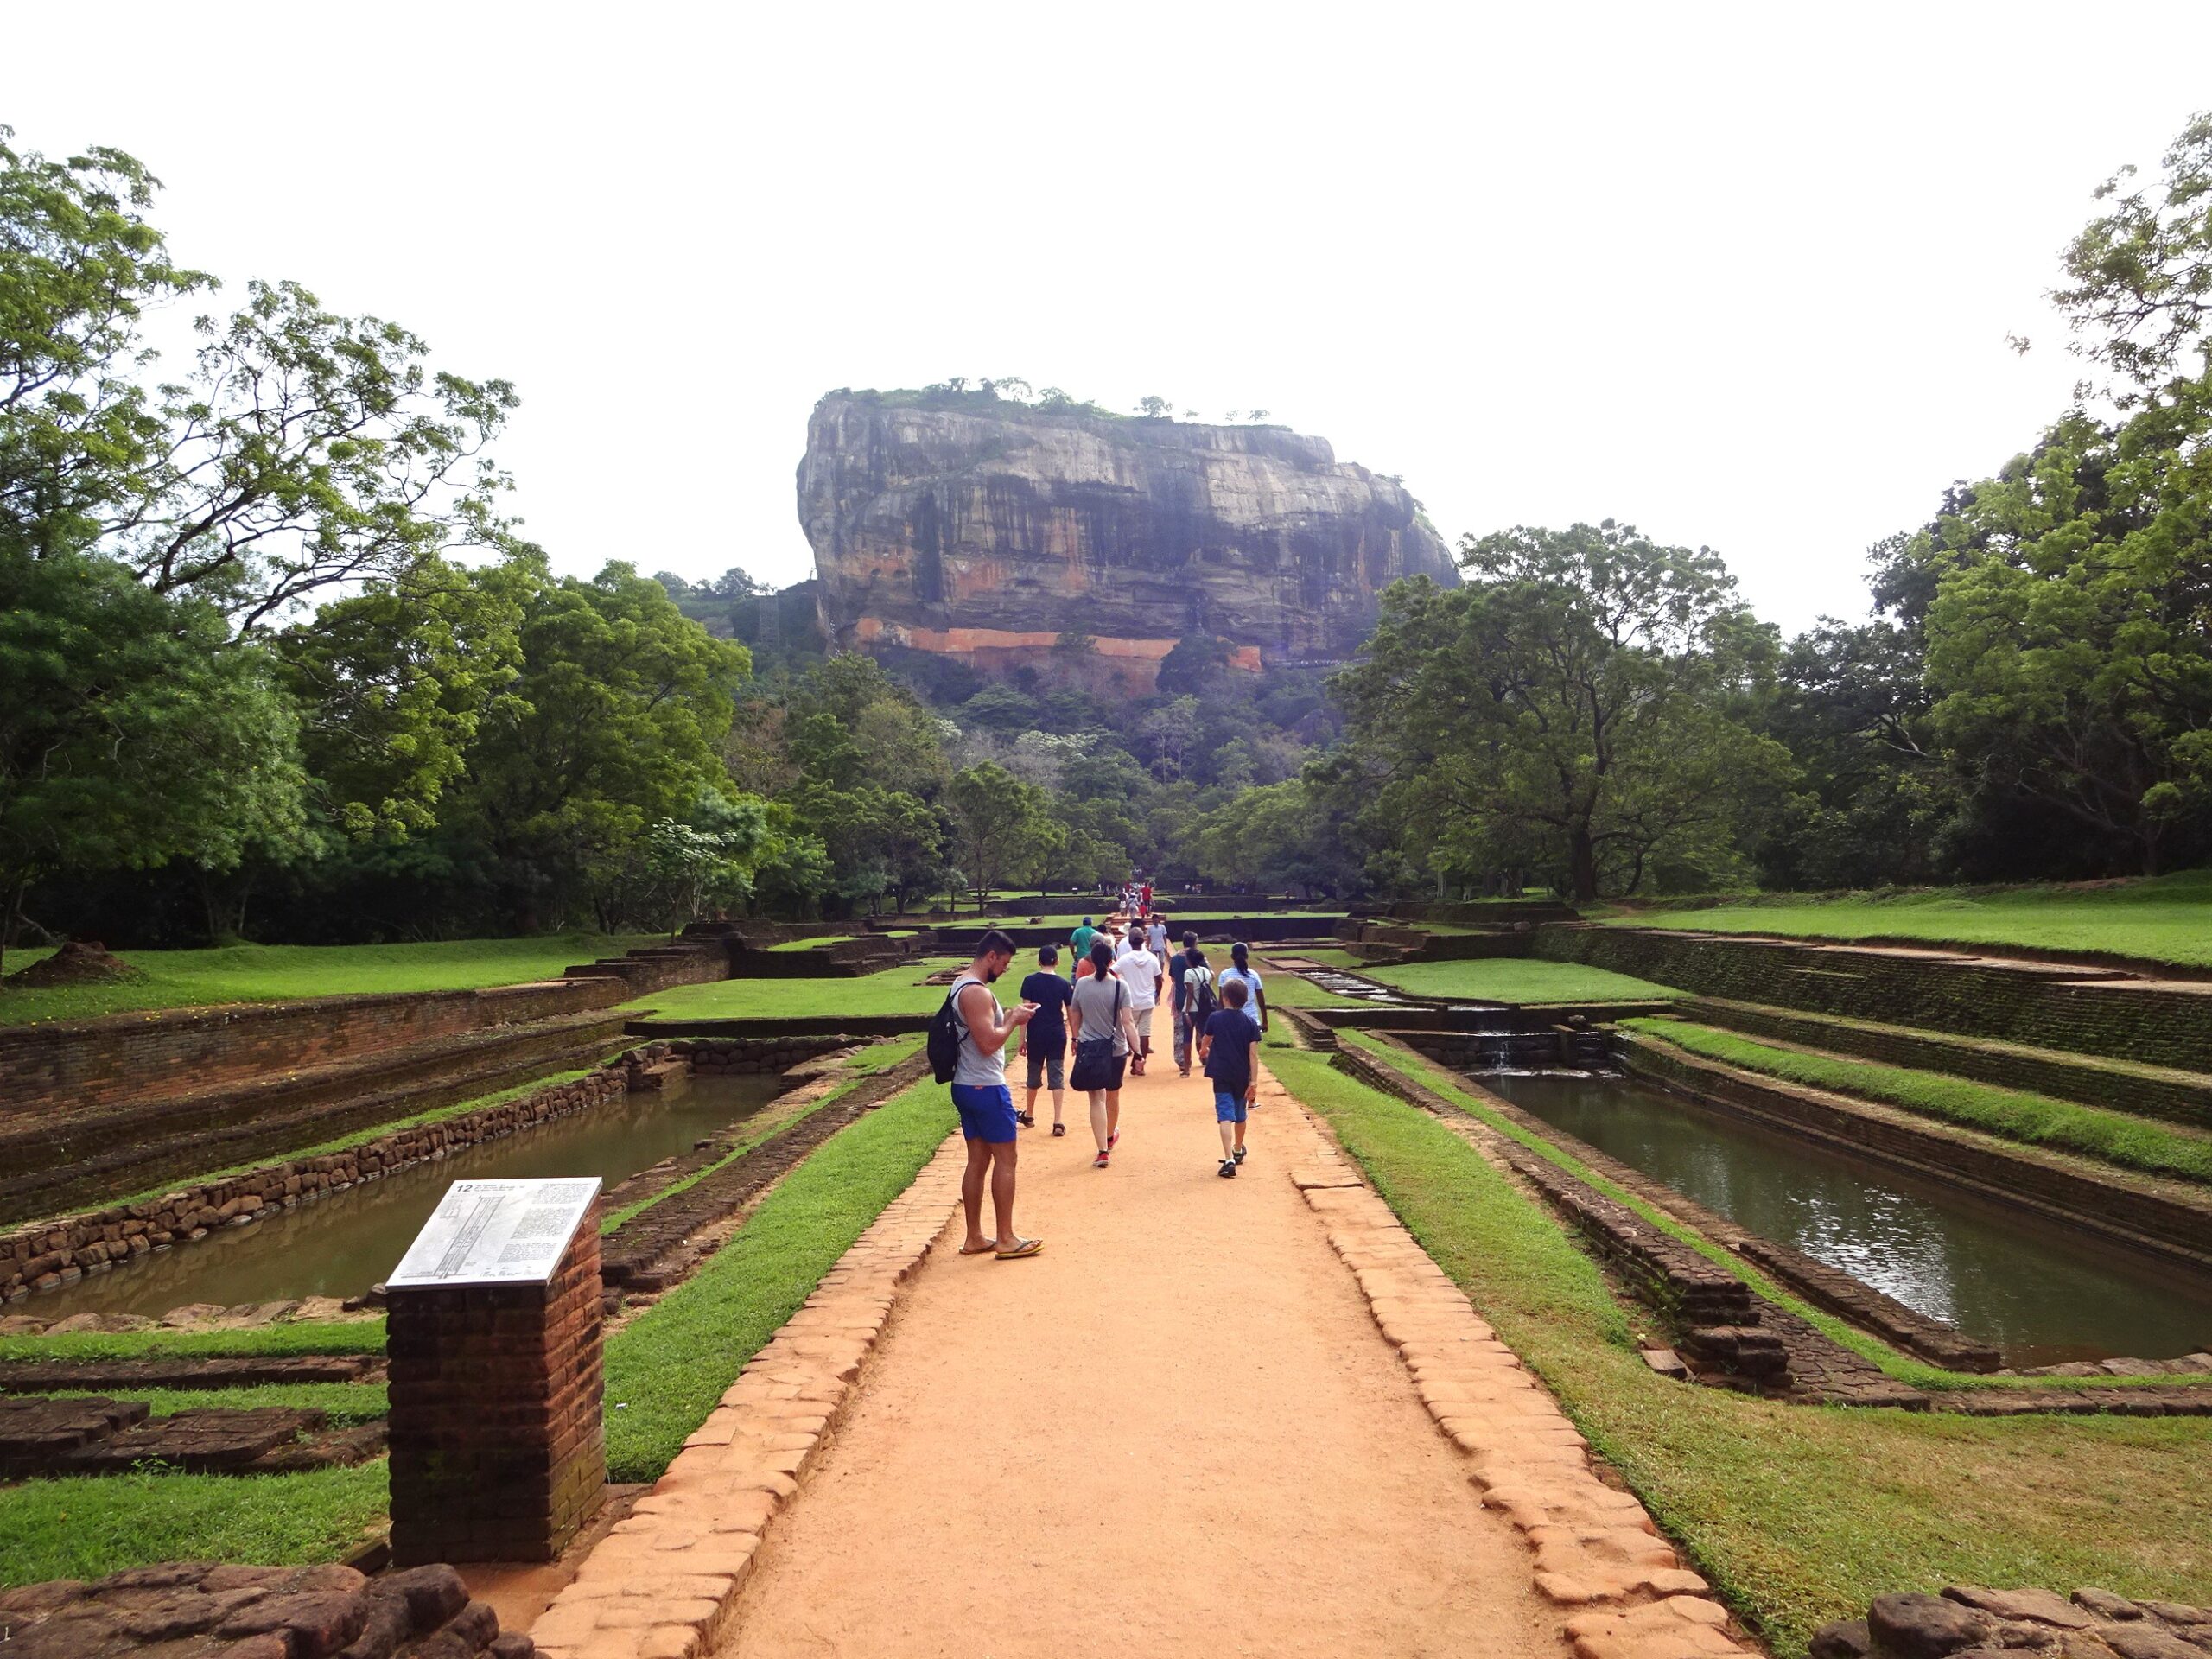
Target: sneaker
(1113, 1141)
(1099, 1162)
(1228, 1171)
(1240, 1154)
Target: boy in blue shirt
(1230, 1046)
(1046, 1038)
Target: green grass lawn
(1504, 979)
(667, 1369)
(258, 1341)
(2063, 1126)
(1797, 1513)
(345, 1403)
(2166, 919)
(86, 1528)
(267, 973)
(893, 990)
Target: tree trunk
(1582, 863)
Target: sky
(1743, 276)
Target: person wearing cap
(1241, 972)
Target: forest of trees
(274, 664)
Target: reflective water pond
(2040, 1292)
(342, 1244)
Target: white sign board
(495, 1233)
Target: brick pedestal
(499, 1452)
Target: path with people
(1177, 1431)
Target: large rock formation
(985, 531)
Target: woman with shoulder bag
(1104, 1028)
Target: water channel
(2040, 1292)
(341, 1244)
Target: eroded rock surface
(985, 534)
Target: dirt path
(1176, 1432)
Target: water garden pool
(2041, 1292)
(341, 1244)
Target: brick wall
(54, 1160)
(2159, 1024)
(498, 1444)
(50, 1253)
(129, 1056)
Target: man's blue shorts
(986, 1111)
(1228, 1108)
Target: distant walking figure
(1141, 972)
(985, 1104)
(1105, 1031)
(1193, 999)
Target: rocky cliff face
(985, 533)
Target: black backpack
(946, 1033)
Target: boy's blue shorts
(986, 1111)
(1229, 1108)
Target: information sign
(496, 1233)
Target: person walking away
(1141, 971)
(1231, 1049)
(1256, 994)
(1179, 1020)
(1103, 1025)
(983, 1101)
(1045, 1041)
(1197, 1004)
(1080, 941)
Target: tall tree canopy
(1579, 704)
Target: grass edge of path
(666, 1370)
(1797, 1513)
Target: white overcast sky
(1740, 275)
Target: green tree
(1000, 826)
(1583, 695)
(392, 682)
(615, 720)
(2139, 276)
(2068, 655)
(131, 732)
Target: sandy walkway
(1176, 1432)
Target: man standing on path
(1155, 936)
(983, 1101)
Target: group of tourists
(1090, 1032)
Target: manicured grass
(2115, 1137)
(259, 1341)
(667, 1369)
(1797, 1513)
(264, 973)
(2166, 919)
(85, 1529)
(1505, 979)
(1332, 959)
(808, 944)
(347, 1403)
(894, 990)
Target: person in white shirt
(1141, 972)
(1255, 995)
(1156, 938)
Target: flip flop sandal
(1022, 1251)
(1059, 1129)
(987, 1250)
(1027, 1120)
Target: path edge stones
(663, 1581)
(1598, 1555)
